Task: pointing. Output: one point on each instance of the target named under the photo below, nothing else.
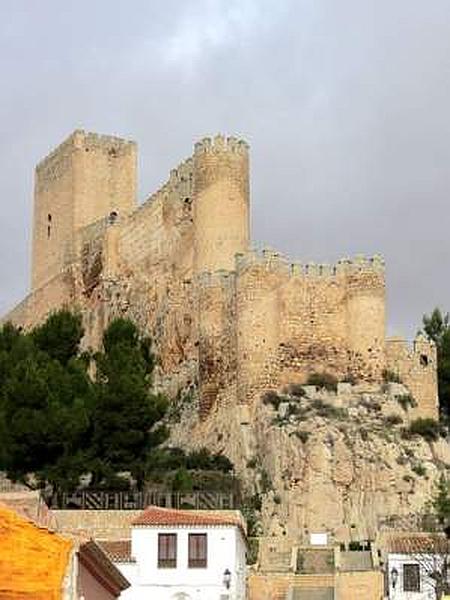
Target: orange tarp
(33, 561)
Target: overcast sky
(346, 105)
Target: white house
(183, 555)
(415, 565)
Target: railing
(6, 485)
(134, 500)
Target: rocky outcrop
(338, 461)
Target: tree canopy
(437, 327)
(57, 422)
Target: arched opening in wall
(424, 360)
(113, 217)
(49, 225)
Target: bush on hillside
(427, 428)
(323, 380)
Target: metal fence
(134, 500)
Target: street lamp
(227, 578)
(394, 577)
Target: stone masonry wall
(416, 367)
(230, 321)
(85, 179)
(221, 207)
(294, 320)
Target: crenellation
(221, 143)
(415, 364)
(231, 320)
(80, 139)
(62, 149)
(245, 259)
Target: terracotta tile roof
(33, 560)
(117, 550)
(155, 515)
(419, 543)
(95, 560)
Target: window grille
(198, 551)
(411, 578)
(167, 550)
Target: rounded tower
(221, 202)
(366, 316)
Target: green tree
(126, 416)
(60, 335)
(45, 399)
(441, 503)
(437, 327)
(58, 422)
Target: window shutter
(167, 550)
(198, 551)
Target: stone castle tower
(86, 178)
(226, 320)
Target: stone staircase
(282, 587)
(275, 555)
(356, 561)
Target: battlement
(98, 227)
(182, 173)
(267, 258)
(415, 365)
(109, 143)
(219, 144)
(81, 139)
(249, 319)
(420, 346)
(275, 261)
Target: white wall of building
(427, 590)
(226, 550)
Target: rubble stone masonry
(226, 320)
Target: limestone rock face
(341, 463)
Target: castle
(227, 320)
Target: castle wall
(158, 235)
(53, 222)
(221, 206)
(58, 292)
(85, 179)
(105, 177)
(232, 321)
(258, 283)
(314, 325)
(366, 316)
(293, 320)
(416, 367)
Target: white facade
(397, 562)
(226, 550)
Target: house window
(411, 578)
(167, 550)
(198, 551)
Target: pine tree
(437, 328)
(125, 427)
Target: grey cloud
(345, 105)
